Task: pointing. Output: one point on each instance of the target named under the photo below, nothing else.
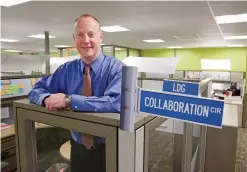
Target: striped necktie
(87, 140)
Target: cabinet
(8, 150)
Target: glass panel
(195, 147)
(56, 146)
(120, 53)
(72, 52)
(133, 52)
(161, 148)
(165, 142)
(108, 50)
(53, 147)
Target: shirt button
(76, 107)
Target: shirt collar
(96, 64)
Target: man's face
(87, 38)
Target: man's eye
(91, 35)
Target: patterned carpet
(161, 152)
(241, 155)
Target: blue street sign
(188, 88)
(187, 108)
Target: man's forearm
(95, 104)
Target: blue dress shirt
(106, 75)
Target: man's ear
(101, 36)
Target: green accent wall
(157, 53)
(191, 58)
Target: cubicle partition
(180, 149)
(12, 88)
(179, 146)
(105, 125)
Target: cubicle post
(202, 148)
(47, 52)
(187, 147)
(203, 135)
(126, 149)
(26, 146)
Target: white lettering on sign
(181, 107)
(180, 88)
(215, 110)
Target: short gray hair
(85, 16)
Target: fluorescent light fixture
(216, 64)
(236, 45)
(8, 3)
(102, 44)
(114, 28)
(174, 47)
(62, 46)
(8, 40)
(15, 51)
(231, 18)
(40, 36)
(236, 37)
(153, 40)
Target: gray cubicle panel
(179, 74)
(24, 63)
(216, 76)
(237, 76)
(104, 125)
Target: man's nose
(86, 39)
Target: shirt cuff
(42, 97)
(77, 102)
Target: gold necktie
(87, 140)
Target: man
(91, 83)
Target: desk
(104, 125)
(8, 149)
(8, 132)
(233, 112)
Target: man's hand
(55, 101)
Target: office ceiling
(186, 24)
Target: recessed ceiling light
(235, 37)
(8, 3)
(231, 18)
(174, 47)
(8, 40)
(114, 28)
(62, 46)
(236, 45)
(40, 36)
(15, 51)
(153, 40)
